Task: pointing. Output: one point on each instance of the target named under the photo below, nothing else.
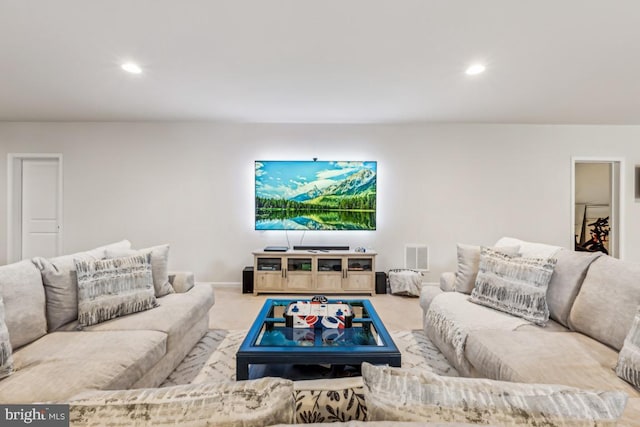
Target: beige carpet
(234, 310)
(213, 358)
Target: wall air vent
(416, 257)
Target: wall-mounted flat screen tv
(315, 195)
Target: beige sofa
(137, 350)
(592, 301)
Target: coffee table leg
(396, 362)
(242, 369)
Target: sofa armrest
(428, 293)
(447, 281)
(181, 281)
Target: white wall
(191, 185)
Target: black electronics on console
(276, 249)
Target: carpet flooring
(213, 357)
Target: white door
(40, 207)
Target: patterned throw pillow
(262, 402)
(330, 401)
(515, 285)
(6, 357)
(112, 288)
(159, 265)
(628, 367)
(395, 394)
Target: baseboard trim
(226, 284)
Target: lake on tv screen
(288, 220)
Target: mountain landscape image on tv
(315, 195)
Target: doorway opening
(596, 210)
(34, 206)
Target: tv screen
(315, 195)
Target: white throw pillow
(468, 263)
(159, 265)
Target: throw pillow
(159, 265)
(261, 402)
(468, 263)
(628, 367)
(61, 284)
(24, 302)
(395, 394)
(515, 285)
(112, 288)
(6, 357)
(330, 400)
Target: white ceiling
(330, 61)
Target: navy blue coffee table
(270, 342)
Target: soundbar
(321, 248)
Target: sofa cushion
(628, 366)
(24, 302)
(112, 288)
(261, 402)
(6, 353)
(451, 317)
(175, 315)
(62, 364)
(469, 262)
(566, 358)
(607, 302)
(530, 249)
(566, 281)
(101, 251)
(395, 394)
(61, 284)
(182, 281)
(515, 285)
(159, 265)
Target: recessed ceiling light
(131, 67)
(475, 69)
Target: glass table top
(363, 331)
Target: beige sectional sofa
(592, 301)
(136, 350)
